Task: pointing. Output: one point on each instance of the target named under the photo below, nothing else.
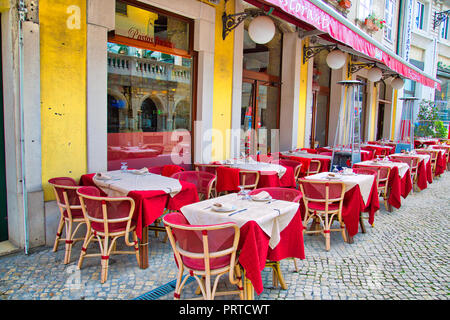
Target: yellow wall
(223, 86)
(4, 5)
(63, 89)
(303, 100)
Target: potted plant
(346, 4)
(373, 23)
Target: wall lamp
(374, 74)
(261, 30)
(335, 58)
(439, 17)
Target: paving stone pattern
(404, 256)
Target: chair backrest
(201, 247)
(286, 194)
(382, 171)
(248, 178)
(322, 192)
(363, 170)
(433, 154)
(210, 168)
(314, 167)
(295, 165)
(66, 193)
(412, 162)
(204, 181)
(106, 214)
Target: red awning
(303, 11)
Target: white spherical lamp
(261, 30)
(374, 74)
(397, 83)
(336, 59)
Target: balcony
(146, 68)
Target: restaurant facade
(90, 85)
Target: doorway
(3, 206)
(259, 112)
(320, 116)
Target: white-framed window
(419, 19)
(389, 14)
(444, 28)
(364, 9)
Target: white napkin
(144, 170)
(222, 206)
(103, 176)
(261, 195)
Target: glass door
(259, 116)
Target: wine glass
(124, 166)
(335, 169)
(241, 191)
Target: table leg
(248, 287)
(349, 239)
(143, 249)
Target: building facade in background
(95, 83)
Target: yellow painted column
(394, 114)
(373, 113)
(303, 96)
(63, 89)
(223, 86)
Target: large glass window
(149, 91)
(389, 14)
(420, 15)
(364, 9)
(444, 28)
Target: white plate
(263, 200)
(223, 210)
(333, 178)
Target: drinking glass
(124, 166)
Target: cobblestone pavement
(404, 256)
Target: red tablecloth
(424, 174)
(441, 163)
(398, 187)
(271, 179)
(324, 163)
(150, 205)
(254, 248)
(354, 204)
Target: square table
(399, 180)
(424, 171)
(152, 193)
(270, 230)
(361, 195)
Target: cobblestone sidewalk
(405, 256)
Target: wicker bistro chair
(210, 168)
(249, 179)
(296, 166)
(412, 162)
(70, 208)
(204, 181)
(382, 181)
(204, 251)
(314, 167)
(286, 194)
(323, 203)
(107, 219)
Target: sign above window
(152, 29)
